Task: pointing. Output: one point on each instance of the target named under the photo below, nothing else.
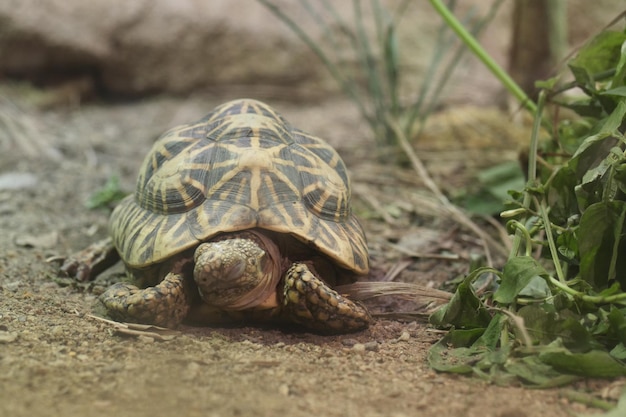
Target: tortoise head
(240, 271)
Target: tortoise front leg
(166, 304)
(309, 301)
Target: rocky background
(137, 47)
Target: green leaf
(602, 53)
(614, 121)
(600, 241)
(620, 69)
(537, 288)
(620, 175)
(491, 336)
(516, 275)
(592, 364)
(617, 324)
(618, 91)
(546, 326)
(532, 371)
(464, 310)
(593, 150)
(464, 351)
(447, 356)
(561, 195)
(619, 352)
(107, 195)
(567, 245)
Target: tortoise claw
(311, 302)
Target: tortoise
(238, 216)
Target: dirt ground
(56, 360)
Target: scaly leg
(165, 304)
(86, 264)
(311, 302)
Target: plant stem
(520, 228)
(543, 211)
(588, 399)
(485, 58)
(532, 170)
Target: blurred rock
(134, 47)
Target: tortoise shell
(242, 166)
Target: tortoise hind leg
(88, 263)
(166, 304)
(309, 301)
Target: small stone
(405, 336)
(349, 342)
(11, 286)
(358, 347)
(56, 331)
(17, 180)
(283, 389)
(191, 372)
(7, 337)
(371, 346)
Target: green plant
(558, 312)
(106, 196)
(375, 86)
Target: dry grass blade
(396, 269)
(413, 254)
(404, 290)
(366, 194)
(136, 330)
(459, 216)
(405, 316)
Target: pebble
(11, 286)
(56, 331)
(283, 389)
(372, 346)
(365, 347)
(358, 347)
(349, 342)
(7, 337)
(405, 336)
(17, 180)
(191, 372)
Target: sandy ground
(56, 360)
